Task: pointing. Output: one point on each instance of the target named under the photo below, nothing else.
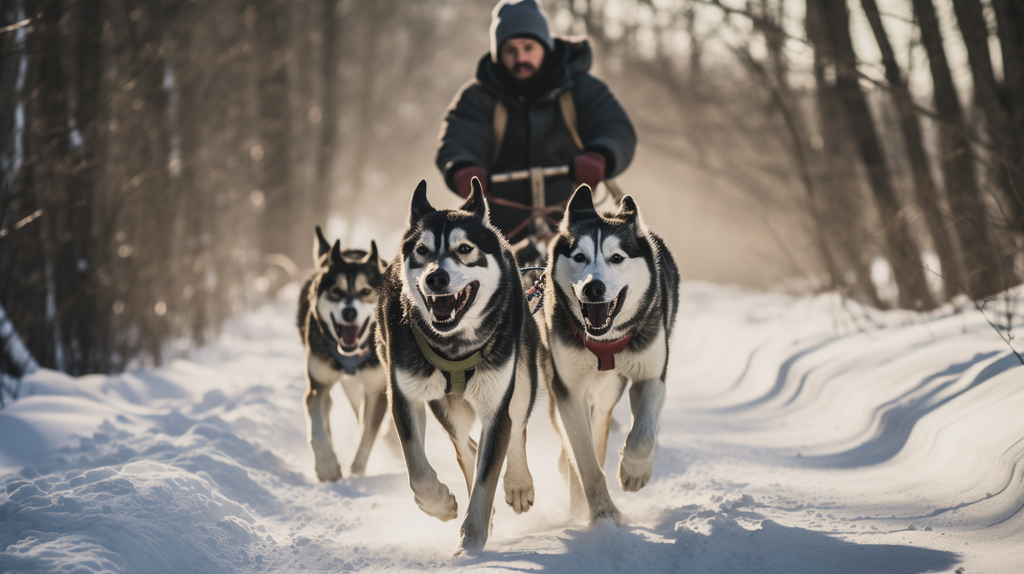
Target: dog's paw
(328, 472)
(635, 471)
(471, 543)
(440, 504)
(519, 494)
(520, 499)
(607, 513)
(358, 469)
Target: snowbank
(800, 435)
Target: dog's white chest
(485, 386)
(580, 364)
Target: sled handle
(522, 174)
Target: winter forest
(847, 168)
(165, 162)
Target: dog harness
(351, 363)
(605, 351)
(456, 373)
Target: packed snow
(800, 435)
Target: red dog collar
(605, 351)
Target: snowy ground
(799, 436)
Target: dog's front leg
(494, 438)
(318, 413)
(519, 493)
(374, 405)
(431, 495)
(604, 400)
(518, 482)
(574, 414)
(457, 417)
(636, 459)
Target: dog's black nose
(349, 314)
(438, 280)
(594, 291)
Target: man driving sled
(532, 104)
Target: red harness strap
(543, 212)
(605, 351)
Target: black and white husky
(337, 326)
(455, 335)
(609, 308)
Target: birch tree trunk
(15, 356)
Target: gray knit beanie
(517, 19)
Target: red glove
(464, 175)
(588, 168)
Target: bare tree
(843, 209)
(986, 270)
(1010, 24)
(271, 153)
(925, 191)
(901, 247)
(1006, 153)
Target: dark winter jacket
(535, 135)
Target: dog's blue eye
(579, 258)
(422, 250)
(617, 258)
(335, 293)
(465, 249)
(365, 292)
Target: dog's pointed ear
(371, 257)
(580, 207)
(321, 247)
(476, 203)
(336, 252)
(419, 206)
(629, 211)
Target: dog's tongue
(597, 313)
(443, 307)
(349, 335)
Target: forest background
(163, 163)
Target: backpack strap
(568, 108)
(569, 115)
(500, 122)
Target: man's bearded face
(522, 56)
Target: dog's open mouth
(348, 335)
(446, 310)
(598, 317)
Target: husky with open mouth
(455, 335)
(337, 325)
(609, 309)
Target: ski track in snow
(799, 436)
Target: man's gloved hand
(464, 175)
(588, 168)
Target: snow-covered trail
(799, 436)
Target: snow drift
(800, 435)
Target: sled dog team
(446, 326)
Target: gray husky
(455, 335)
(337, 326)
(610, 304)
